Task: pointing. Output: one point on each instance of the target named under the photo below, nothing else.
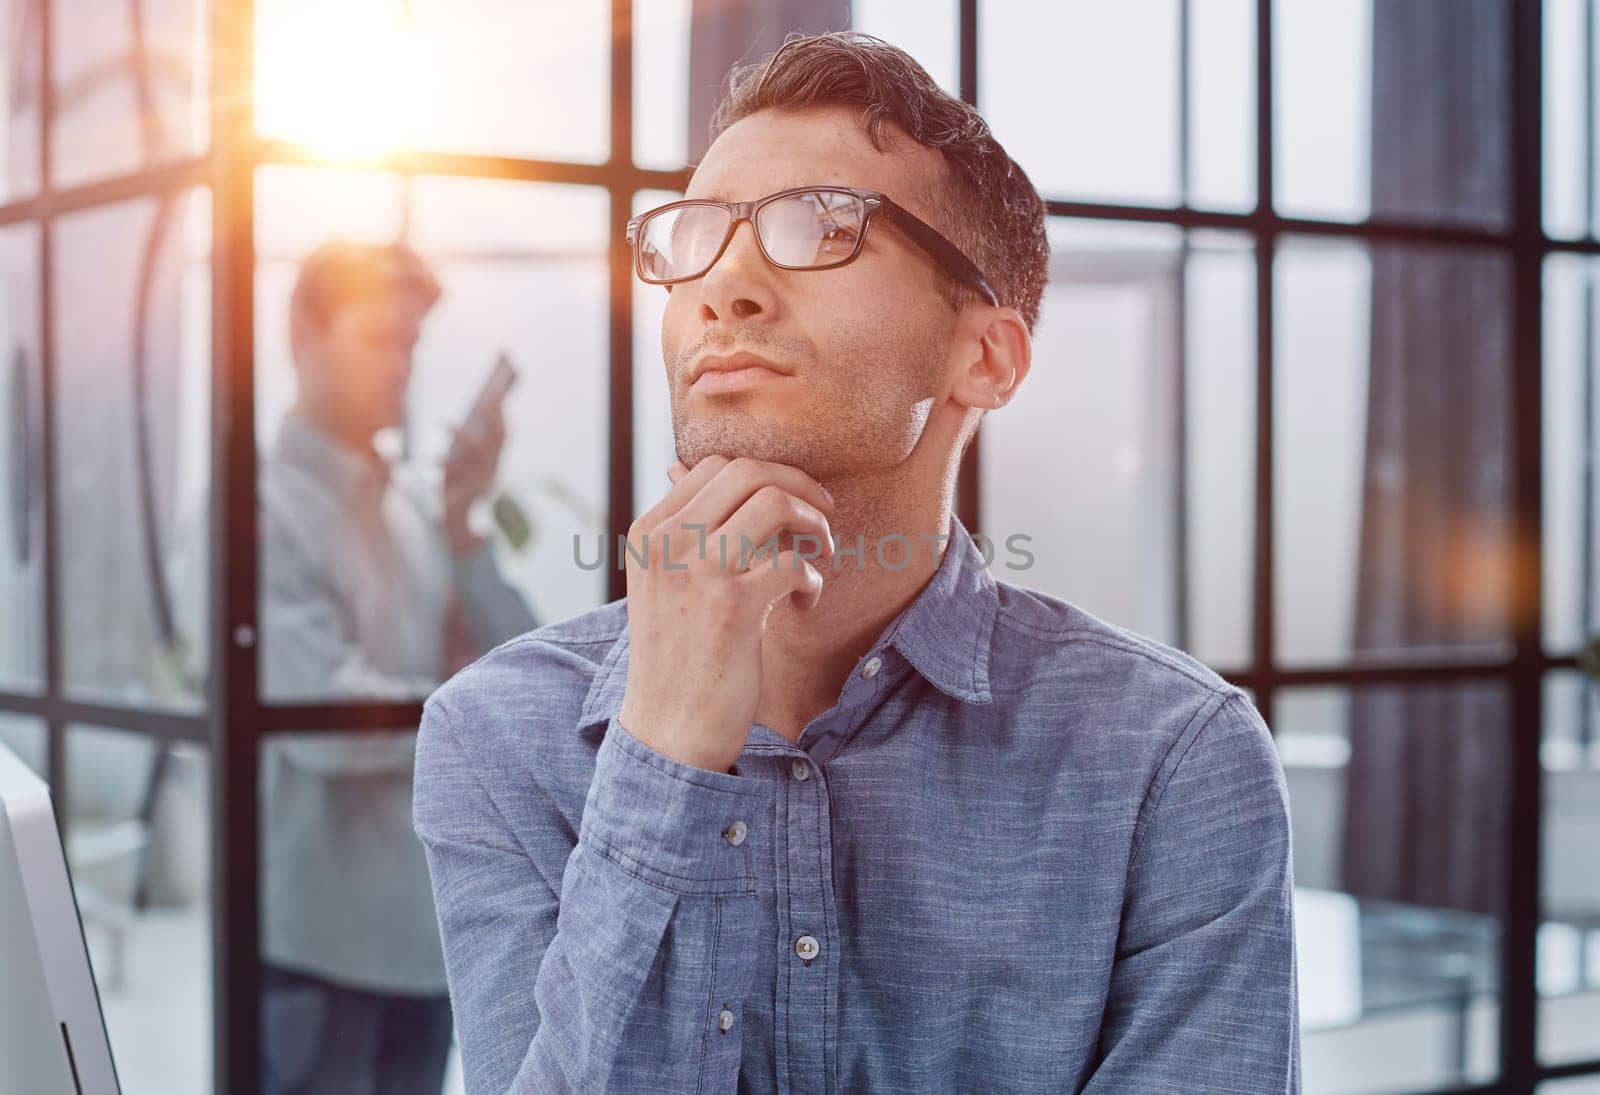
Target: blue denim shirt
(1025, 851)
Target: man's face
(356, 365)
(862, 349)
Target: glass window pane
(1121, 57)
(344, 79)
(1219, 415)
(1571, 424)
(1097, 407)
(375, 582)
(1124, 58)
(1578, 1085)
(1121, 323)
(20, 56)
(1569, 932)
(927, 29)
(21, 474)
(1398, 803)
(1222, 105)
(129, 83)
(517, 79)
(481, 76)
(523, 266)
(1571, 34)
(137, 837)
(1567, 174)
(347, 921)
(661, 38)
(1397, 111)
(24, 735)
(1322, 93)
(133, 358)
(680, 45)
(1393, 450)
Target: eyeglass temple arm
(943, 251)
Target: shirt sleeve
(613, 976)
(1203, 994)
(495, 609)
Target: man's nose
(739, 284)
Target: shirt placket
(808, 938)
(807, 1019)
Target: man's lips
(731, 363)
(735, 372)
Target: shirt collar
(943, 633)
(348, 473)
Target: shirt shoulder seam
(527, 638)
(1181, 745)
(577, 640)
(1068, 635)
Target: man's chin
(777, 450)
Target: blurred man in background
(374, 586)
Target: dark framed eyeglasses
(804, 228)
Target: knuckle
(774, 499)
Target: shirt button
(725, 1021)
(734, 834)
(806, 947)
(801, 770)
(870, 670)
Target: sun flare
(342, 79)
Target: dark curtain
(1426, 798)
(724, 33)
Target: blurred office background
(1314, 398)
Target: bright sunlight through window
(342, 79)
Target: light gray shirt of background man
(356, 588)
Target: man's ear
(993, 353)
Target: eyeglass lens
(803, 231)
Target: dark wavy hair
(985, 204)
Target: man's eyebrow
(720, 195)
